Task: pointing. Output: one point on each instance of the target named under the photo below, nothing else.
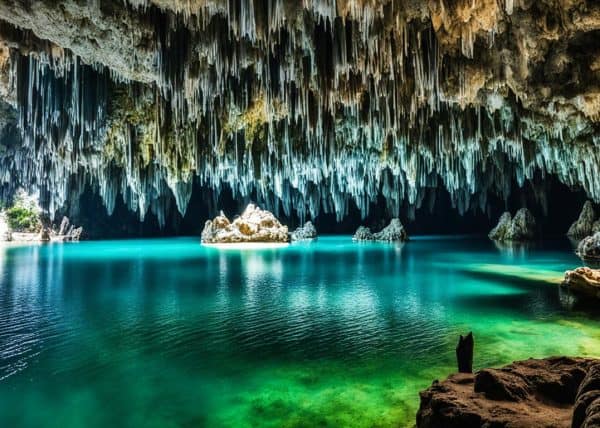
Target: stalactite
(296, 105)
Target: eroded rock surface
(303, 233)
(393, 232)
(585, 224)
(253, 225)
(583, 281)
(589, 247)
(520, 228)
(525, 394)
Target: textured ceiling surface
(308, 105)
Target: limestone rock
(5, 231)
(583, 281)
(393, 232)
(68, 232)
(254, 225)
(521, 228)
(525, 394)
(584, 225)
(500, 232)
(306, 232)
(589, 247)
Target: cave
(286, 212)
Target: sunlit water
(167, 333)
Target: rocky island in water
(285, 213)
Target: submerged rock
(306, 232)
(530, 393)
(589, 247)
(584, 225)
(583, 281)
(520, 228)
(393, 232)
(254, 225)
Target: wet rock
(393, 232)
(306, 232)
(586, 413)
(254, 225)
(583, 281)
(520, 228)
(530, 393)
(68, 232)
(500, 232)
(589, 247)
(584, 225)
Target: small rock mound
(583, 281)
(393, 232)
(304, 233)
(589, 247)
(254, 225)
(530, 393)
(520, 228)
(584, 225)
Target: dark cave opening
(555, 209)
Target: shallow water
(167, 333)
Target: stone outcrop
(585, 224)
(68, 232)
(304, 233)
(520, 228)
(583, 281)
(393, 232)
(525, 394)
(345, 102)
(589, 248)
(253, 225)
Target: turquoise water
(167, 333)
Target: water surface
(167, 333)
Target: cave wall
(308, 107)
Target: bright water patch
(168, 333)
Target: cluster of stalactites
(298, 107)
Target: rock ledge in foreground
(254, 225)
(583, 281)
(553, 392)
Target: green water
(167, 333)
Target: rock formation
(314, 105)
(303, 233)
(589, 248)
(254, 225)
(525, 394)
(520, 228)
(585, 224)
(393, 232)
(583, 281)
(68, 232)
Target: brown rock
(525, 394)
(583, 281)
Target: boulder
(520, 228)
(530, 393)
(589, 247)
(583, 281)
(393, 232)
(500, 232)
(584, 225)
(254, 225)
(303, 233)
